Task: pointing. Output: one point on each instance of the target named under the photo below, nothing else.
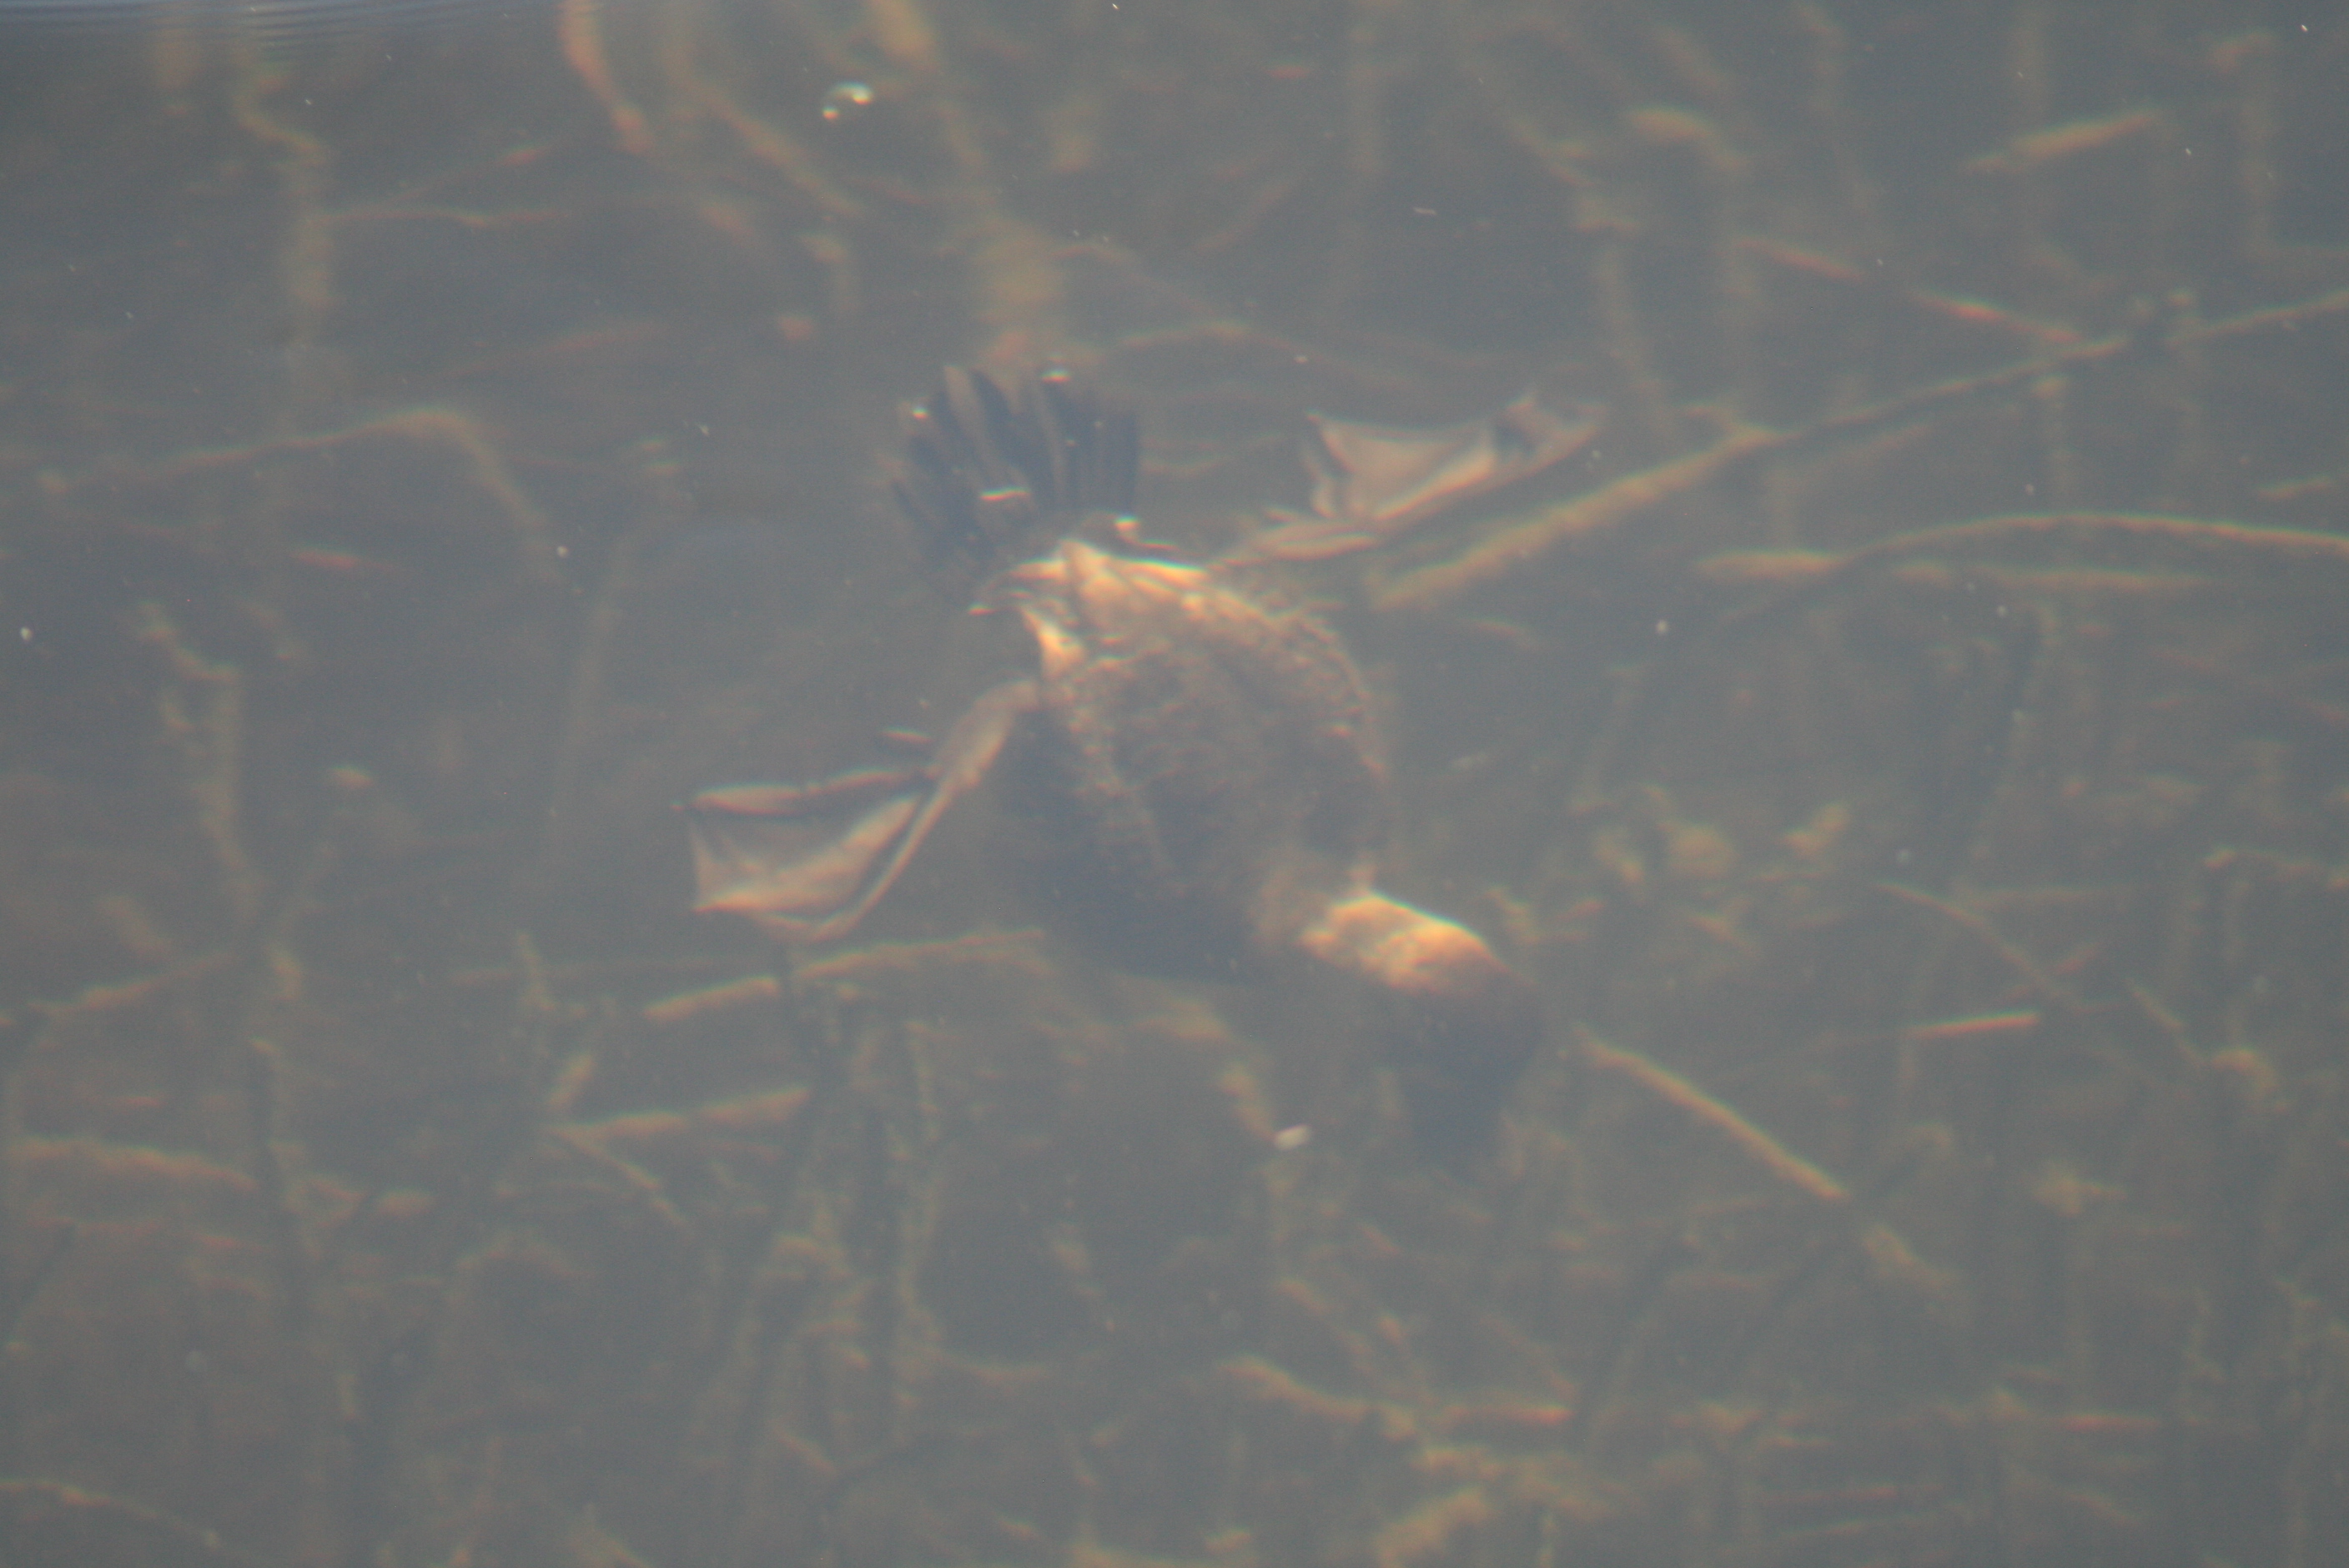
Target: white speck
(1289, 1138)
(1664, 628)
(23, 634)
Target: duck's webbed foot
(1373, 482)
(1457, 1023)
(806, 862)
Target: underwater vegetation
(1906, 746)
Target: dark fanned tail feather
(989, 474)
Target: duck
(1193, 752)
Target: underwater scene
(1171, 784)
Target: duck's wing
(807, 861)
(1370, 482)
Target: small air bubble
(845, 99)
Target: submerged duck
(1196, 754)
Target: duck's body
(1200, 763)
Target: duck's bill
(1370, 482)
(808, 863)
(1457, 1025)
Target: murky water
(1907, 750)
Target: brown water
(1910, 750)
